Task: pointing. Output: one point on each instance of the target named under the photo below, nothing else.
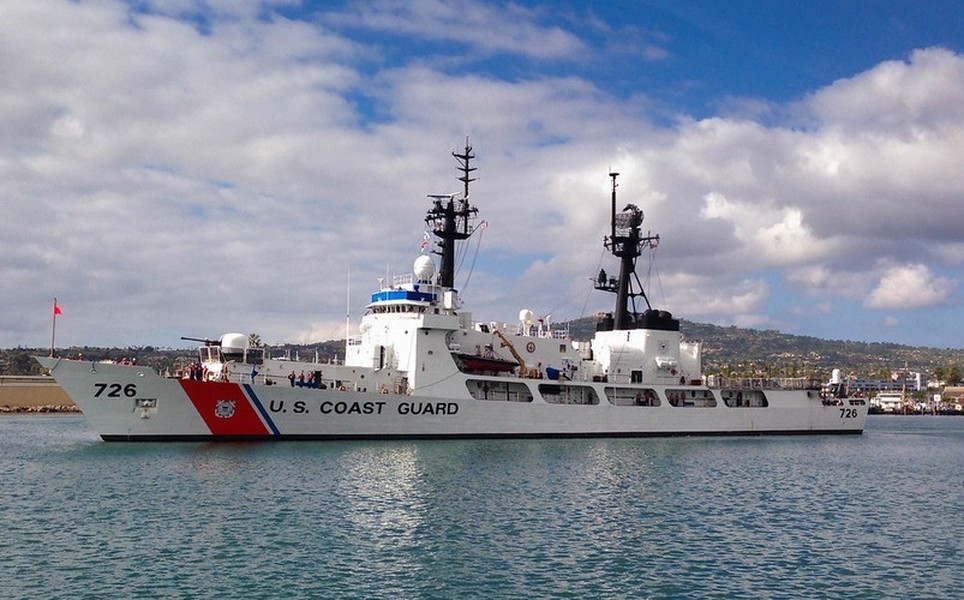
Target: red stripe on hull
(224, 407)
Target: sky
(179, 168)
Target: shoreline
(34, 395)
(45, 409)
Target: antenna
(450, 220)
(347, 312)
(464, 160)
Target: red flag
(57, 310)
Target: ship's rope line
(475, 255)
(602, 252)
(652, 271)
(461, 250)
(459, 259)
(446, 378)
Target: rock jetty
(33, 395)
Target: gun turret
(205, 341)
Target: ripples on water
(866, 516)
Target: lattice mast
(626, 243)
(450, 218)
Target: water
(871, 516)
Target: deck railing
(763, 383)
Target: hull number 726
(115, 390)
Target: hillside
(728, 345)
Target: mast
(347, 314)
(450, 218)
(626, 243)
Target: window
(744, 398)
(568, 394)
(632, 396)
(506, 391)
(691, 398)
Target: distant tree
(20, 362)
(953, 375)
(940, 375)
(254, 340)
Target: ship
(421, 367)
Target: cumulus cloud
(777, 236)
(885, 151)
(896, 97)
(823, 280)
(909, 286)
(687, 295)
(483, 27)
(193, 168)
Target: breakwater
(32, 394)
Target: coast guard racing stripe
(226, 409)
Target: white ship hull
(130, 403)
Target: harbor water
(878, 515)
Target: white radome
(424, 268)
(237, 342)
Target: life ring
(531, 347)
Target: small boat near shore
(422, 367)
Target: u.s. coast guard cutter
(422, 368)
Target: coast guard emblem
(224, 409)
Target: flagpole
(53, 329)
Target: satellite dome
(525, 315)
(424, 268)
(233, 344)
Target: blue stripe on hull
(260, 407)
